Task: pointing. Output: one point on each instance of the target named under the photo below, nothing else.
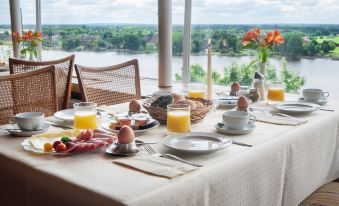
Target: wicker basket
(160, 114)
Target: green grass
(331, 38)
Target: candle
(209, 70)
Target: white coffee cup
(313, 95)
(237, 120)
(28, 120)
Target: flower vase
(31, 56)
(262, 87)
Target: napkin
(279, 120)
(157, 166)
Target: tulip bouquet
(29, 42)
(262, 44)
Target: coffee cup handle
(326, 94)
(12, 120)
(252, 118)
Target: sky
(203, 11)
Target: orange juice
(85, 121)
(196, 93)
(276, 94)
(178, 121)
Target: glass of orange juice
(196, 90)
(85, 115)
(275, 91)
(178, 118)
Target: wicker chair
(28, 92)
(64, 69)
(327, 195)
(109, 85)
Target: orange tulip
(278, 39)
(251, 36)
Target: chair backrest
(64, 69)
(33, 91)
(109, 85)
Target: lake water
(319, 73)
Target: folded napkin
(157, 166)
(279, 120)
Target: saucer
(322, 101)
(26, 133)
(248, 129)
(114, 150)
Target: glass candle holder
(276, 91)
(196, 90)
(178, 118)
(85, 115)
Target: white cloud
(204, 11)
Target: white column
(165, 43)
(16, 24)
(187, 41)
(38, 25)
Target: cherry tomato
(60, 147)
(55, 144)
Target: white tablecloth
(286, 164)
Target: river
(319, 73)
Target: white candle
(209, 70)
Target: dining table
(284, 166)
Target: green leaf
(65, 140)
(35, 52)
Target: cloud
(203, 11)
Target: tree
(292, 48)
(197, 46)
(177, 43)
(132, 41)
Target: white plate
(227, 101)
(105, 122)
(28, 147)
(26, 133)
(197, 142)
(322, 101)
(67, 115)
(297, 108)
(248, 129)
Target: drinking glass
(85, 115)
(275, 91)
(196, 90)
(178, 118)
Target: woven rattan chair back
(64, 69)
(33, 91)
(109, 85)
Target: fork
(155, 153)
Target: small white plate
(322, 101)
(227, 102)
(67, 115)
(105, 122)
(197, 142)
(113, 151)
(248, 129)
(26, 133)
(297, 108)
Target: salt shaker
(259, 84)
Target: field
(328, 38)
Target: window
(311, 41)
(5, 31)
(114, 32)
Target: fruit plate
(29, 147)
(106, 121)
